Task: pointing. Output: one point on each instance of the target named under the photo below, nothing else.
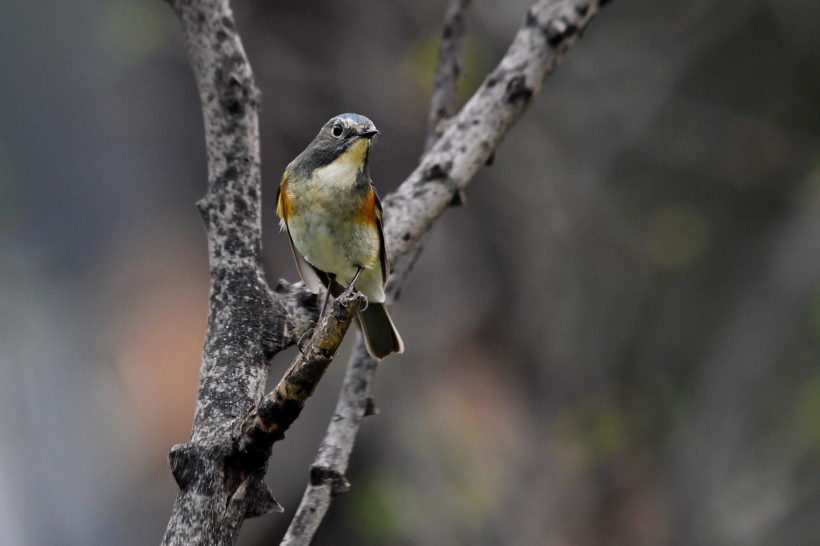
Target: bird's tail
(380, 334)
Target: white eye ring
(337, 130)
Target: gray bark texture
(220, 470)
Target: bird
(331, 212)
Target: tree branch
(448, 69)
(550, 28)
(268, 421)
(220, 470)
(247, 322)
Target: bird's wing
(382, 248)
(309, 274)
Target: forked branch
(220, 470)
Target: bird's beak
(369, 134)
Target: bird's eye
(337, 130)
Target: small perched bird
(333, 217)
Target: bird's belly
(337, 246)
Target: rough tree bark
(220, 470)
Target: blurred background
(616, 341)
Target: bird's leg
(349, 289)
(331, 277)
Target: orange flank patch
(283, 206)
(367, 213)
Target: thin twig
(448, 69)
(550, 28)
(327, 473)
